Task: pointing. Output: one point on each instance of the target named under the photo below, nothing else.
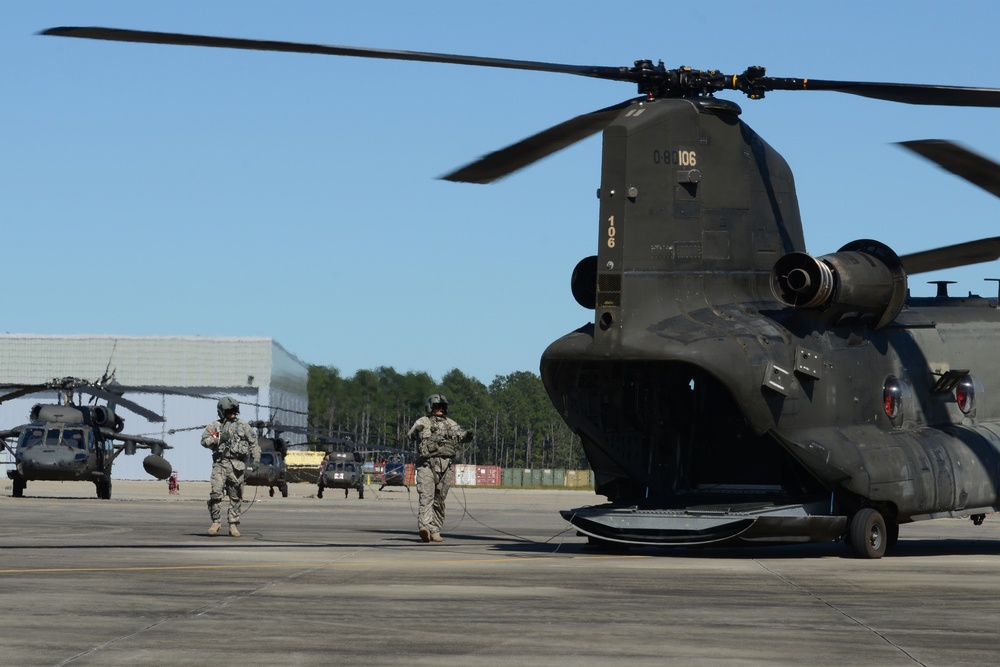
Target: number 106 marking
(681, 158)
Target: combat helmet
(436, 399)
(227, 404)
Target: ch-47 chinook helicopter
(67, 442)
(732, 389)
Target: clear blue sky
(161, 190)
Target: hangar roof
(144, 361)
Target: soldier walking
(437, 437)
(234, 446)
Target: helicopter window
(73, 438)
(52, 437)
(32, 437)
(267, 458)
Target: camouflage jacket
(438, 436)
(233, 440)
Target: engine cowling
(104, 417)
(862, 282)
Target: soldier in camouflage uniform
(234, 446)
(437, 439)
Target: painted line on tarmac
(271, 566)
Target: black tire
(19, 485)
(104, 488)
(270, 492)
(891, 533)
(361, 493)
(284, 489)
(868, 533)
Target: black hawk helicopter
(342, 470)
(272, 470)
(393, 467)
(732, 389)
(68, 442)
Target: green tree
(514, 422)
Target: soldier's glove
(225, 437)
(467, 436)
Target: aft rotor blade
(507, 160)
(960, 161)
(963, 254)
(656, 80)
(907, 93)
(181, 39)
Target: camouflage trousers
(226, 479)
(433, 482)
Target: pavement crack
(842, 612)
(194, 613)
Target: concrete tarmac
(136, 581)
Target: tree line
(515, 424)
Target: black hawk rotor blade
(116, 399)
(24, 391)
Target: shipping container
(465, 475)
(488, 476)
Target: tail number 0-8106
(680, 158)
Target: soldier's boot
(425, 535)
(233, 530)
(214, 528)
(436, 537)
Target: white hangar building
(268, 381)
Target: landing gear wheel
(19, 485)
(284, 489)
(868, 534)
(104, 489)
(270, 492)
(361, 493)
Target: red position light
(965, 394)
(892, 397)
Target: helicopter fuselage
(271, 471)
(54, 451)
(68, 442)
(342, 471)
(698, 392)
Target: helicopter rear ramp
(721, 525)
